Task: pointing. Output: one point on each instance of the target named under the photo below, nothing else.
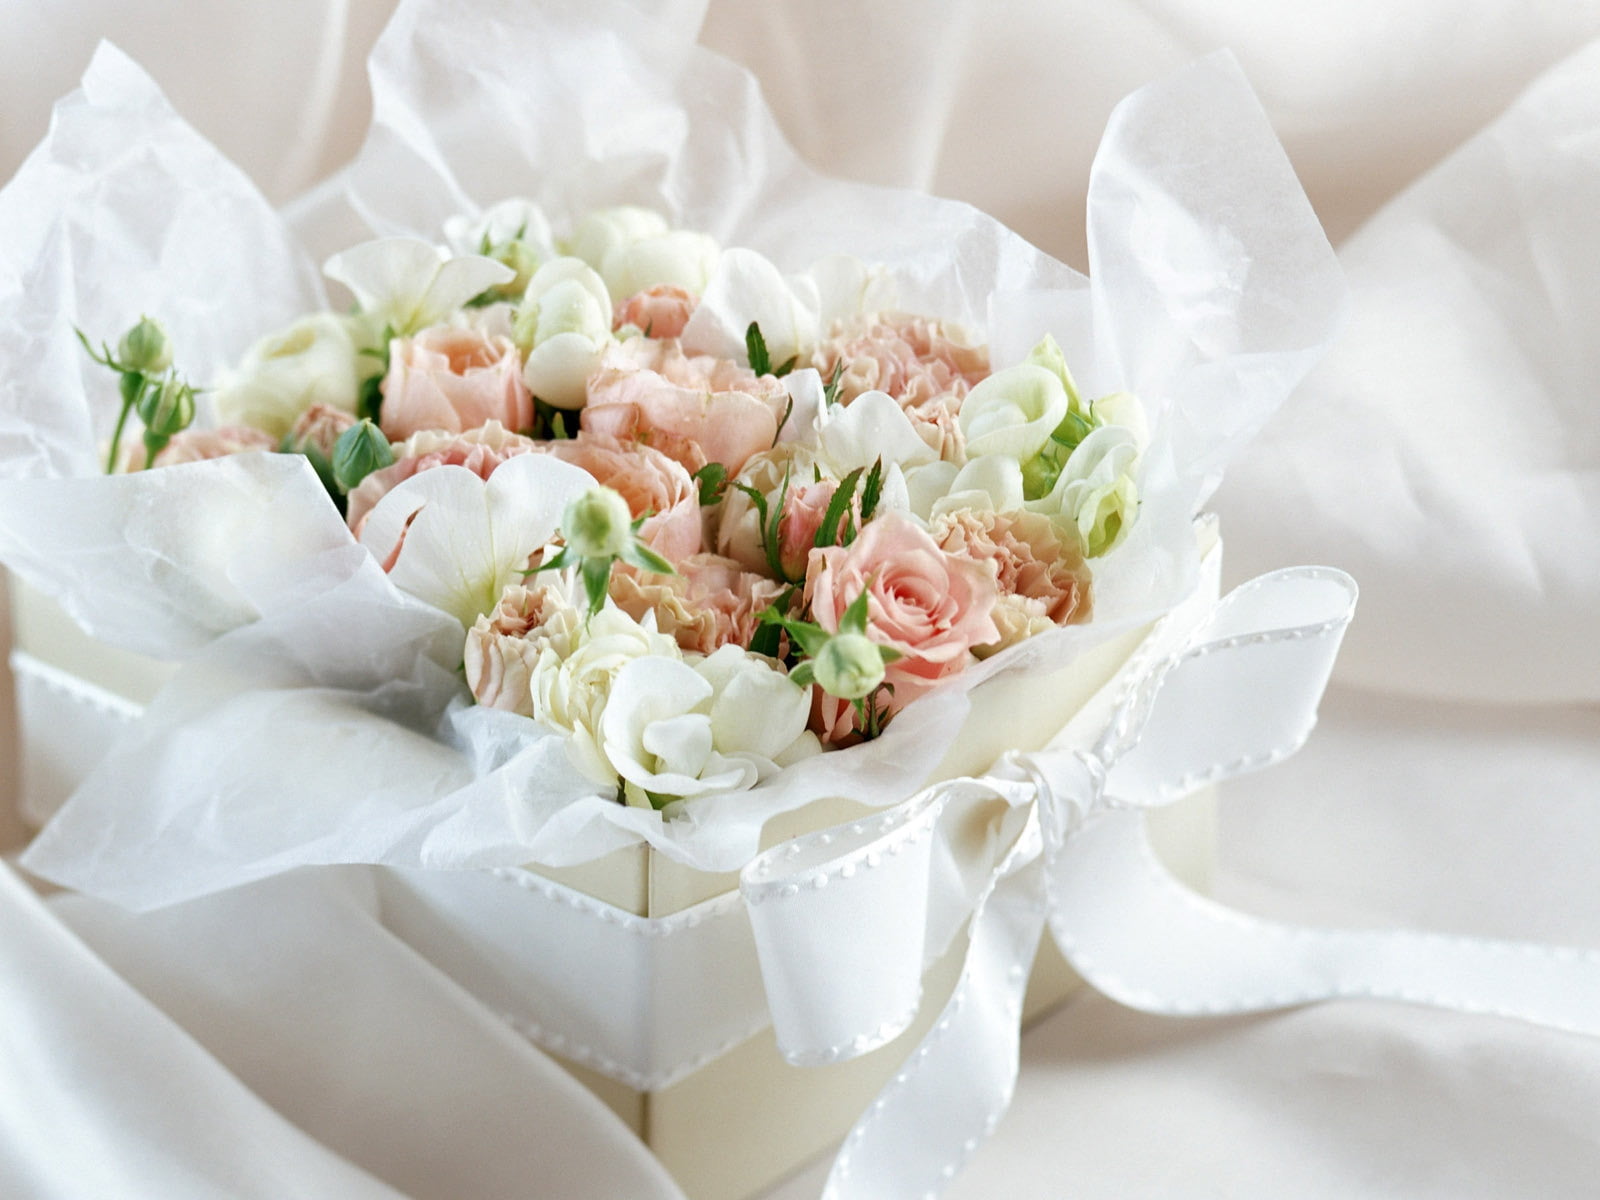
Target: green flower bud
(598, 524)
(145, 348)
(166, 407)
(360, 450)
(848, 666)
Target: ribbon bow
(847, 920)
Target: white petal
(468, 539)
(456, 282)
(871, 426)
(382, 271)
(746, 287)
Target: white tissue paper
(319, 716)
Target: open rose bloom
(383, 663)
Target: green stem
(130, 396)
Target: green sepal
(639, 555)
(596, 574)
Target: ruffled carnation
(453, 379)
(1039, 568)
(695, 409)
(649, 481)
(503, 647)
(915, 360)
(657, 312)
(480, 450)
(711, 602)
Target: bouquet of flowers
(699, 569)
(684, 491)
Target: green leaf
(803, 675)
(767, 640)
(646, 559)
(713, 481)
(872, 491)
(771, 531)
(833, 518)
(780, 372)
(596, 574)
(830, 390)
(755, 347)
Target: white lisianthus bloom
(989, 483)
(725, 724)
(1124, 409)
(1013, 412)
(573, 691)
(406, 284)
(1096, 491)
(456, 541)
(313, 361)
(563, 325)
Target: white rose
(313, 361)
(727, 723)
(608, 229)
(571, 692)
(564, 326)
(989, 483)
(678, 257)
(634, 249)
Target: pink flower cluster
(725, 489)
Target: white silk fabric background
(1448, 455)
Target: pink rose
(1039, 568)
(803, 510)
(661, 311)
(479, 450)
(196, 445)
(711, 602)
(318, 428)
(914, 360)
(452, 380)
(649, 481)
(931, 606)
(696, 409)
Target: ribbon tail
(1144, 939)
(952, 1091)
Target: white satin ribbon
(1067, 826)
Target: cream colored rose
(570, 689)
(313, 361)
(635, 248)
(725, 724)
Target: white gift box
(639, 974)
